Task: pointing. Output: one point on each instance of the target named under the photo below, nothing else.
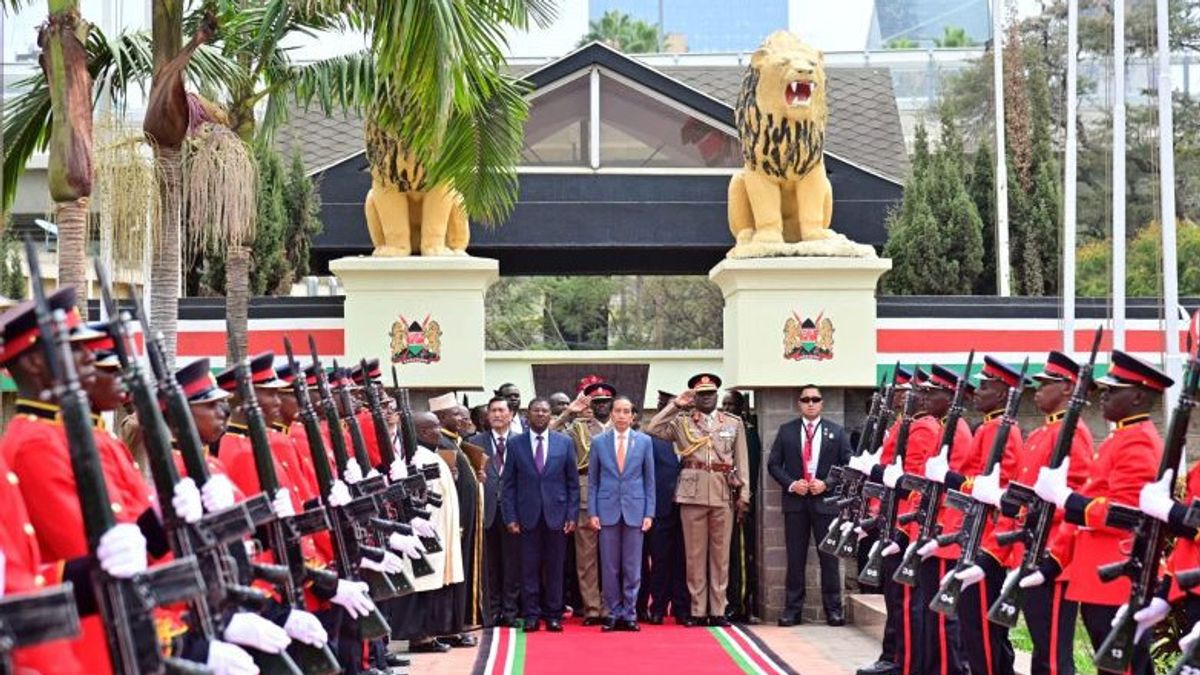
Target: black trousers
(800, 528)
(986, 646)
(940, 640)
(503, 559)
(1097, 619)
(542, 553)
(905, 612)
(1051, 621)
(664, 575)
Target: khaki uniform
(710, 448)
(587, 540)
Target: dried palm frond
(220, 191)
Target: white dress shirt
(816, 444)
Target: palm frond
(342, 82)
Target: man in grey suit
(622, 501)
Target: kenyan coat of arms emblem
(808, 339)
(414, 342)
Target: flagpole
(1118, 175)
(1069, 180)
(1003, 270)
(1166, 160)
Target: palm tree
(623, 32)
(953, 36)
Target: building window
(557, 132)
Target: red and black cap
(198, 384)
(262, 374)
(1059, 368)
(995, 369)
(102, 345)
(599, 391)
(340, 379)
(919, 378)
(903, 377)
(21, 327)
(703, 382)
(941, 377)
(1129, 371)
(372, 370)
(587, 381)
(310, 374)
(285, 373)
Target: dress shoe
(655, 620)
(630, 625)
(397, 661)
(593, 621)
(880, 667)
(431, 647)
(554, 625)
(835, 619)
(609, 625)
(691, 622)
(460, 640)
(718, 621)
(531, 626)
(642, 615)
(789, 621)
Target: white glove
(892, 473)
(227, 659)
(251, 630)
(304, 627)
(865, 462)
(892, 548)
(938, 466)
(1032, 580)
(927, 549)
(408, 544)
(846, 527)
(397, 470)
(353, 473)
(392, 563)
(987, 488)
(352, 596)
(186, 501)
(1051, 484)
(969, 577)
(862, 534)
(1186, 641)
(422, 527)
(373, 474)
(1146, 617)
(1156, 500)
(282, 504)
(339, 494)
(217, 493)
(122, 551)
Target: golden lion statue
(782, 194)
(404, 215)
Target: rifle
(32, 618)
(860, 506)
(357, 440)
(871, 572)
(931, 491)
(976, 513)
(125, 605)
(382, 438)
(1149, 539)
(848, 482)
(1039, 514)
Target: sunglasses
(810, 399)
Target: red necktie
(810, 430)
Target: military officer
(713, 481)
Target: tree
(303, 205)
(623, 33)
(982, 188)
(1143, 263)
(901, 43)
(12, 276)
(919, 266)
(952, 37)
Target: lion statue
(404, 215)
(782, 195)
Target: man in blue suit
(622, 502)
(539, 499)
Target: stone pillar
(422, 315)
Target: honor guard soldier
(1126, 461)
(1049, 616)
(713, 481)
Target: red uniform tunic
(973, 465)
(1126, 461)
(1036, 454)
(923, 439)
(1186, 554)
(35, 447)
(367, 424)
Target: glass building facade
(706, 25)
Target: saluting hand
(580, 403)
(686, 399)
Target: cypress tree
(303, 207)
(954, 212)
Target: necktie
(621, 453)
(500, 452)
(539, 455)
(809, 431)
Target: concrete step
(868, 614)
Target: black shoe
(789, 621)
(431, 647)
(655, 620)
(630, 625)
(718, 621)
(609, 625)
(397, 661)
(593, 621)
(880, 667)
(642, 615)
(554, 625)
(835, 619)
(691, 622)
(460, 640)
(531, 626)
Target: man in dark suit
(621, 503)
(804, 450)
(539, 498)
(502, 549)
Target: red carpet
(583, 650)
